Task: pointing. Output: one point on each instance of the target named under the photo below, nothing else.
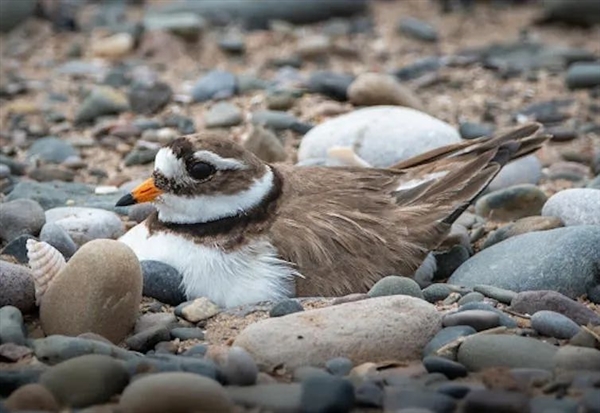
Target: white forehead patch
(219, 162)
(168, 164)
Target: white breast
(249, 274)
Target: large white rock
(381, 135)
(376, 329)
(576, 206)
(86, 224)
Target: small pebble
(162, 282)
(187, 333)
(395, 285)
(59, 238)
(285, 307)
(511, 203)
(147, 339)
(445, 336)
(240, 369)
(552, 324)
(51, 149)
(16, 287)
(197, 310)
(216, 84)
(339, 366)
(417, 29)
(32, 397)
(222, 115)
(449, 368)
(473, 297)
(20, 217)
(478, 319)
(321, 394)
(437, 292)
(583, 75)
(12, 329)
(500, 294)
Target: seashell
(45, 262)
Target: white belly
(247, 275)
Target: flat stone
(395, 285)
(101, 101)
(449, 368)
(313, 337)
(502, 295)
(577, 206)
(82, 298)
(530, 302)
(552, 324)
(16, 287)
(86, 224)
(371, 89)
(186, 25)
(436, 292)
(20, 217)
(511, 203)
(151, 320)
(285, 307)
(273, 119)
(216, 84)
(577, 358)
(56, 349)
(417, 29)
(277, 397)
(197, 310)
(86, 380)
(12, 328)
(525, 170)
(478, 319)
(327, 394)
(223, 115)
(331, 84)
(187, 333)
(147, 339)
(51, 149)
(505, 320)
(165, 363)
(445, 336)
(473, 297)
(496, 401)
(470, 130)
(484, 351)
(583, 75)
(522, 226)
(148, 99)
(562, 259)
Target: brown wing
(345, 228)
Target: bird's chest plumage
(249, 273)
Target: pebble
(315, 336)
(499, 294)
(470, 130)
(511, 203)
(82, 299)
(216, 84)
(591, 401)
(522, 226)
(478, 319)
(17, 249)
(147, 99)
(583, 75)
(371, 89)
(505, 320)
(445, 336)
(285, 307)
(150, 320)
(561, 259)
(473, 297)
(276, 397)
(322, 394)
(530, 302)
(13, 352)
(86, 380)
(15, 13)
(164, 362)
(385, 134)
(145, 340)
(576, 206)
(47, 173)
(485, 351)
(449, 368)
(331, 84)
(188, 26)
(417, 29)
(398, 399)
(56, 348)
(281, 99)
(51, 149)
(11, 380)
(199, 350)
(223, 115)
(303, 373)
(16, 287)
(232, 44)
(162, 282)
(274, 119)
(339, 366)
(59, 238)
(4, 171)
(113, 47)
(313, 46)
(448, 261)
(496, 401)
(552, 324)
(139, 212)
(12, 329)
(436, 292)
(395, 285)
(20, 217)
(187, 333)
(577, 358)
(264, 144)
(32, 397)
(101, 101)
(86, 224)
(175, 393)
(140, 156)
(240, 369)
(526, 170)
(197, 310)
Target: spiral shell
(45, 262)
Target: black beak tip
(126, 200)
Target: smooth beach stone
(552, 324)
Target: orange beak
(144, 192)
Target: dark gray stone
(216, 84)
(148, 99)
(167, 362)
(16, 167)
(457, 390)
(511, 203)
(330, 84)
(187, 333)
(13, 13)
(275, 397)
(545, 404)
(101, 101)
(578, 13)
(51, 149)
(552, 324)
(562, 259)
(417, 29)
(55, 349)
(500, 294)
(398, 398)
(59, 238)
(449, 261)
(326, 394)
(285, 307)
(478, 319)
(147, 339)
(583, 75)
(11, 380)
(140, 156)
(419, 68)
(17, 248)
(16, 287)
(449, 368)
(369, 394)
(240, 369)
(445, 336)
(530, 302)
(505, 320)
(20, 217)
(471, 130)
(162, 282)
(12, 329)
(395, 285)
(496, 401)
(223, 115)
(436, 292)
(339, 366)
(274, 119)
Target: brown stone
(31, 397)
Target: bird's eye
(201, 170)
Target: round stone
(577, 358)
(445, 336)
(370, 89)
(162, 282)
(240, 368)
(51, 149)
(83, 300)
(339, 366)
(473, 297)
(175, 393)
(285, 307)
(31, 397)
(577, 206)
(20, 217)
(511, 203)
(449, 368)
(16, 287)
(327, 394)
(478, 319)
(223, 115)
(86, 380)
(395, 285)
(12, 329)
(59, 238)
(86, 224)
(437, 292)
(552, 324)
(216, 84)
(526, 170)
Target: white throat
(206, 208)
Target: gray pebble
(12, 329)
(583, 75)
(500, 294)
(395, 285)
(478, 319)
(240, 369)
(162, 282)
(60, 239)
(51, 149)
(417, 29)
(171, 363)
(140, 156)
(187, 333)
(577, 358)
(199, 350)
(449, 368)
(20, 217)
(552, 324)
(496, 401)
(139, 212)
(147, 339)
(511, 203)
(327, 394)
(330, 84)
(530, 302)
(505, 320)
(4, 171)
(473, 297)
(449, 261)
(277, 120)
(222, 115)
(285, 307)
(149, 98)
(101, 101)
(369, 394)
(436, 292)
(339, 366)
(55, 349)
(17, 248)
(576, 206)
(397, 398)
(216, 84)
(275, 397)
(151, 320)
(306, 372)
(470, 130)
(16, 287)
(445, 336)
(546, 404)
(86, 380)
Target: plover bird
(241, 231)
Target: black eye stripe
(201, 170)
